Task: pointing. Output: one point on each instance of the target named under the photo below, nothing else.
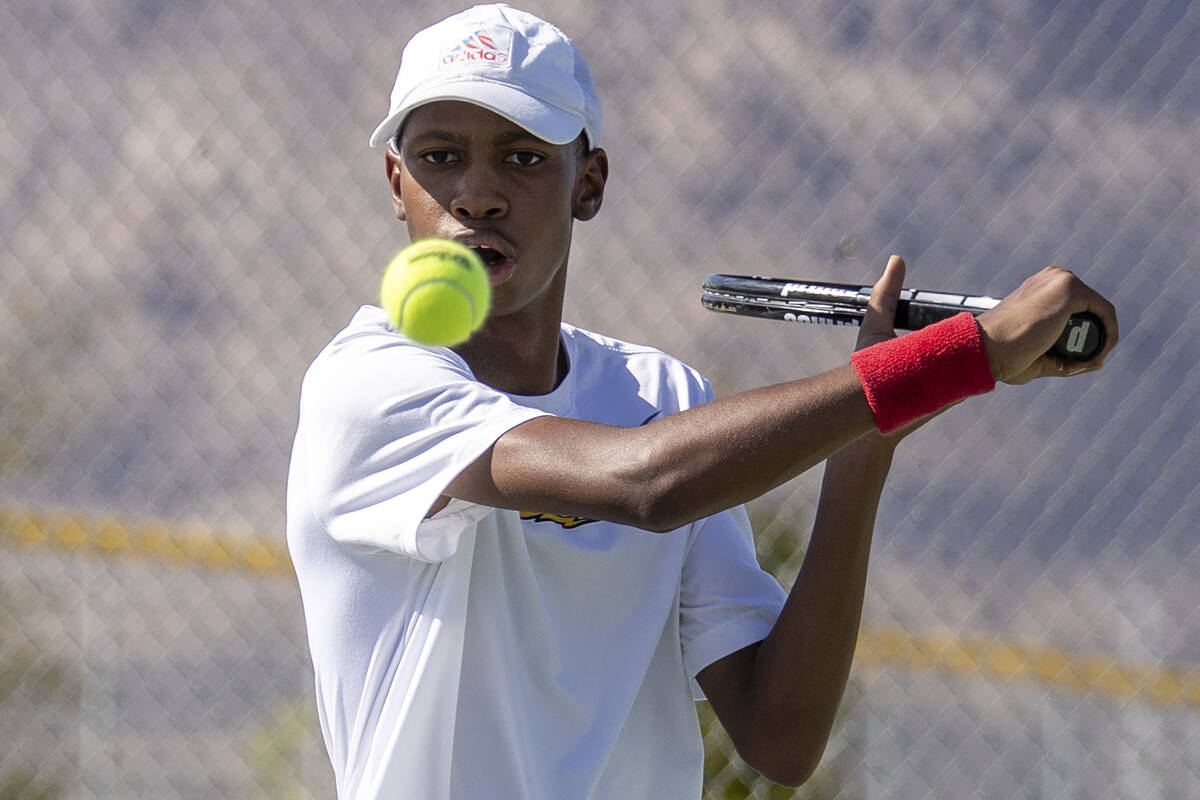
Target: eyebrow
(455, 137)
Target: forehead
(455, 119)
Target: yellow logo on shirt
(565, 521)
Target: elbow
(656, 503)
(790, 770)
(656, 485)
(657, 517)
(789, 760)
(788, 775)
(649, 494)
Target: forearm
(783, 713)
(681, 468)
(817, 630)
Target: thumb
(880, 320)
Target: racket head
(815, 302)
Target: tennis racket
(846, 304)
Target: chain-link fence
(188, 212)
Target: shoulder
(368, 349)
(368, 370)
(604, 358)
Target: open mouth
(499, 266)
(490, 256)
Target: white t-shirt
(489, 653)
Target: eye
(439, 157)
(524, 158)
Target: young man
(523, 560)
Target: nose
(480, 194)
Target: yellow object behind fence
(194, 545)
(879, 647)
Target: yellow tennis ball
(436, 291)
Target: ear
(395, 169)
(589, 186)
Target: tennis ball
(436, 292)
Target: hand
(1019, 331)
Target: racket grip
(1081, 339)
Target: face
(462, 172)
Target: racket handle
(1081, 339)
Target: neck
(521, 352)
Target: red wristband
(917, 374)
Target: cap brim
(547, 122)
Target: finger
(1051, 365)
(880, 319)
(1089, 300)
(1107, 313)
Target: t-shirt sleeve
(385, 426)
(727, 601)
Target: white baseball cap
(505, 60)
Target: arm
(676, 470)
(709, 458)
(778, 698)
